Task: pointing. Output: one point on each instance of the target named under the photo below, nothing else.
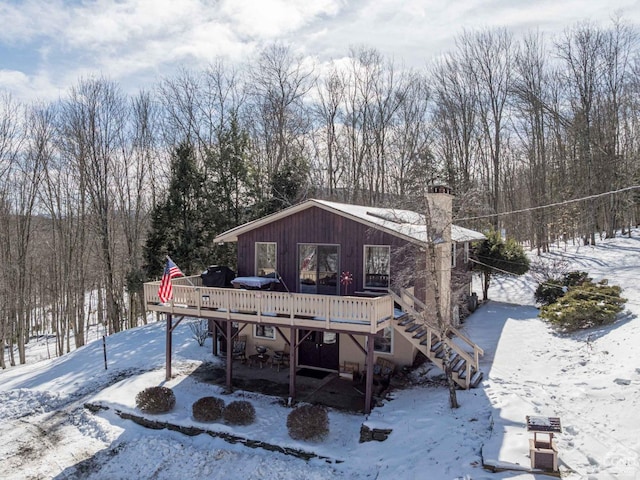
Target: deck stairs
(463, 353)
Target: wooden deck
(316, 312)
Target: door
(319, 267)
(319, 349)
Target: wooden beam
(239, 330)
(357, 343)
(168, 347)
(173, 326)
(229, 356)
(369, 376)
(284, 337)
(293, 362)
(214, 336)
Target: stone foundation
(378, 434)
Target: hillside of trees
(97, 187)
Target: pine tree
(180, 225)
(494, 256)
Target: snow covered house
(341, 287)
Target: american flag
(171, 270)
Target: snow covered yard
(591, 380)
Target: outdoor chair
(239, 348)
(281, 357)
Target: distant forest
(96, 187)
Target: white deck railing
(356, 314)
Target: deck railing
(356, 314)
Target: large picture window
(319, 267)
(376, 266)
(266, 254)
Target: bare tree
(93, 118)
(487, 55)
(11, 138)
(277, 118)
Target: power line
(547, 283)
(558, 204)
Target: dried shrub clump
(208, 409)
(308, 422)
(156, 400)
(239, 412)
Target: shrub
(549, 291)
(308, 422)
(239, 412)
(552, 289)
(584, 306)
(156, 400)
(573, 279)
(200, 331)
(208, 409)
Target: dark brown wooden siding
(316, 225)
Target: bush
(156, 400)
(573, 279)
(208, 409)
(549, 291)
(584, 306)
(308, 422)
(239, 412)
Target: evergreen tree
(180, 226)
(494, 256)
(226, 186)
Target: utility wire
(557, 204)
(595, 294)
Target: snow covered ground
(590, 379)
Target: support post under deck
(369, 376)
(293, 361)
(168, 347)
(229, 356)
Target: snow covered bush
(239, 412)
(208, 409)
(584, 306)
(156, 400)
(551, 289)
(308, 422)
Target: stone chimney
(440, 207)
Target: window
(264, 331)
(383, 342)
(319, 269)
(453, 254)
(376, 266)
(266, 254)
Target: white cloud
(123, 39)
(28, 87)
(24, 22)
(273, 18)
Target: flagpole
(186, 278)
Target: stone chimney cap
(440, 189)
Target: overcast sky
(47, 45)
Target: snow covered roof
(403, 223)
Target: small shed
(542, 447)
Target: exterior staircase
(463, 354)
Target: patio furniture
(281, 357)
(258, 360)
(239, 348)
(255, 283)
